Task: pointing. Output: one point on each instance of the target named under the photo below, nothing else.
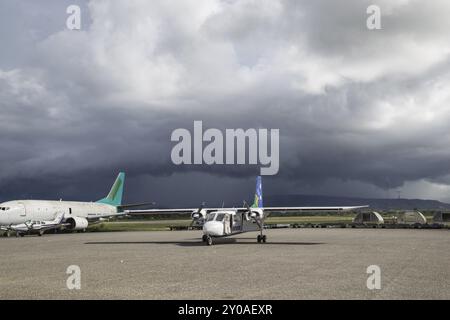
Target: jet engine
(77, 223)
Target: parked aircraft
(76, 215)
(33, 226)
(224, 222)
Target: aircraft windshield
(220, 216)
(211, 217)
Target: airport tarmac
(294, 264)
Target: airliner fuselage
(14, 212)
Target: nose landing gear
(261, 237)
(207, 239)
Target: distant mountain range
(293, 200)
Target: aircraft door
(227, 221)
(237, 222)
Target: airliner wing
(165, 211)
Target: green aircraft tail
(114, 196)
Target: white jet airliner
(223, 222)
(76, 215)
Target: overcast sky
(361, 112)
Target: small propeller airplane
(33, 226)
(224, 222)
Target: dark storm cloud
(359, 111)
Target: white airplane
(76, 215)
(33, 226)
(224, 222)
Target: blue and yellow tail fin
(114, 196)
(258, 202)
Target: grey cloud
(82, 105)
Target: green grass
(157, 225)
(309, 219)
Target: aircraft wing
(285, 209)
(49, 227)
(242, 209)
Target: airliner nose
(213, 228)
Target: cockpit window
(220, 216)
(4, 208)
(210, 217)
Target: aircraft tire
(258, 238)
(204, 238)
(209, 241)
(21, 234)
(264, 238)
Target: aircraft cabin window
(220, 217)
(210, 217)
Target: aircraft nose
(213, 228)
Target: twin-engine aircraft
(34, 226)
(224, 222)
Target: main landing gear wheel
(209, 241)
(261, 238)
(204, 238)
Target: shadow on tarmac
(217, 241)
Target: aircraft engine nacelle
(254, 214)
(197, 215)
(77, 223)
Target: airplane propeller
(249, 211)
(197, 214)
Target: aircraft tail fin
(258, 202)
(114, 196)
